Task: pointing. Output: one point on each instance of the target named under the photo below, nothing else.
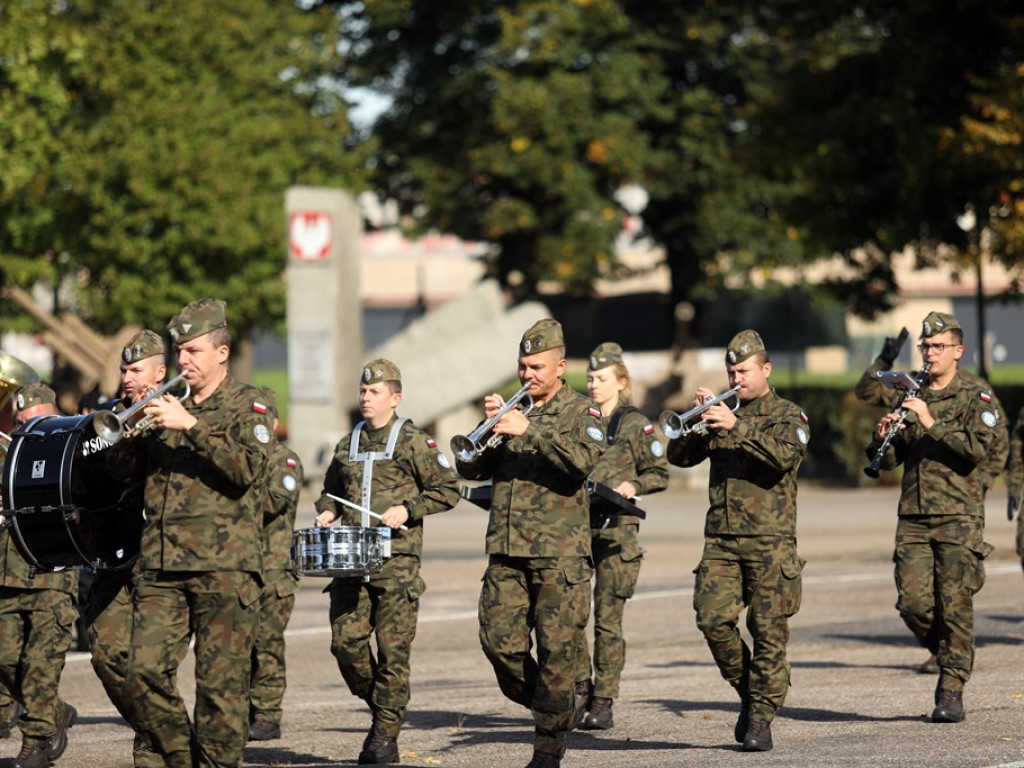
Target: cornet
(676, 424)
(112, 427)
(468, 448)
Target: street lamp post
(968, 222)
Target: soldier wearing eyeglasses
(951, 426)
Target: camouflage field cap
(380, 370)
(32, 395)
(605, 355)
(743, 345)
(936, 323)
(142, 345)
(543, 335)
(197, 319)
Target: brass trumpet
(468, 448)
(677, 424)
(113, 427)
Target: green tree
(188, 122)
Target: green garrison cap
(142, 345)
(543, 335)
(197, 319)
(605, 355)
(32, 395)
(380, 370)
(743, 345)
(936, 323)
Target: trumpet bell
(464, 448)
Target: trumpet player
(108, 609)
(950, 427)
(750, 558)
(538, 542)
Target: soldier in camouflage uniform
(750, 557)
(37, 613)
(1015, 480)
(538, 542)
(870, 390)
(198, 572)
(950, 427)
(280, 582)
(393, 468)
(633, 465)
(108, 612)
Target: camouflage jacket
(418, 474)
(1015, 465)
(203, 488)
(14, 570)
(540, 506)
(634, 455)
(870, 391)
(753, 483)
(280, 503)
(941, 465)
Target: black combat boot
(264, 730)
(743, 721)
(599, 718)
(379, 749)
(949, 706)
(31, 757)
(759, 737)
(581, 694)
(544, 760)
(59, 742)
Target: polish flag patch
(259, 407)
(292, 463)
(648, 429)
(595, 412)
(431, 443)
(986, 397)
(803, 416)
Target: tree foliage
(174, 130)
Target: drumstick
(348, 503)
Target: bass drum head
(65, 507)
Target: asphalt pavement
(856, 697)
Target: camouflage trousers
(617, 558)
(939, 569)
(268, 681)
(385, 609)
(220, 609)
(762, 574)
(35, 625)
(550, 598)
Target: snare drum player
(280, 582)
(108, 612)
(539, 566)
(750, 558)
(633, 465)
(393, 468)
(939, 557)
(198, 572)
(37, 614)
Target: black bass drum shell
(63, 505)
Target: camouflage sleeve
(436, 479)
(1015, 462)
(333, 481)
(574, 447)
(648, 454)
(973, 437)
(234, 449)
(688, 450)
(285, 479)
(870, 391)
(778, 442)
(995, 460)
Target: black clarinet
(871, 470)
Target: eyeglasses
(938, 349)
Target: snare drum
(63, 505)
(342, 550)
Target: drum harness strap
(604, 513)
(368, 457)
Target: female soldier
(633, 465)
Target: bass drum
(61, 502)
